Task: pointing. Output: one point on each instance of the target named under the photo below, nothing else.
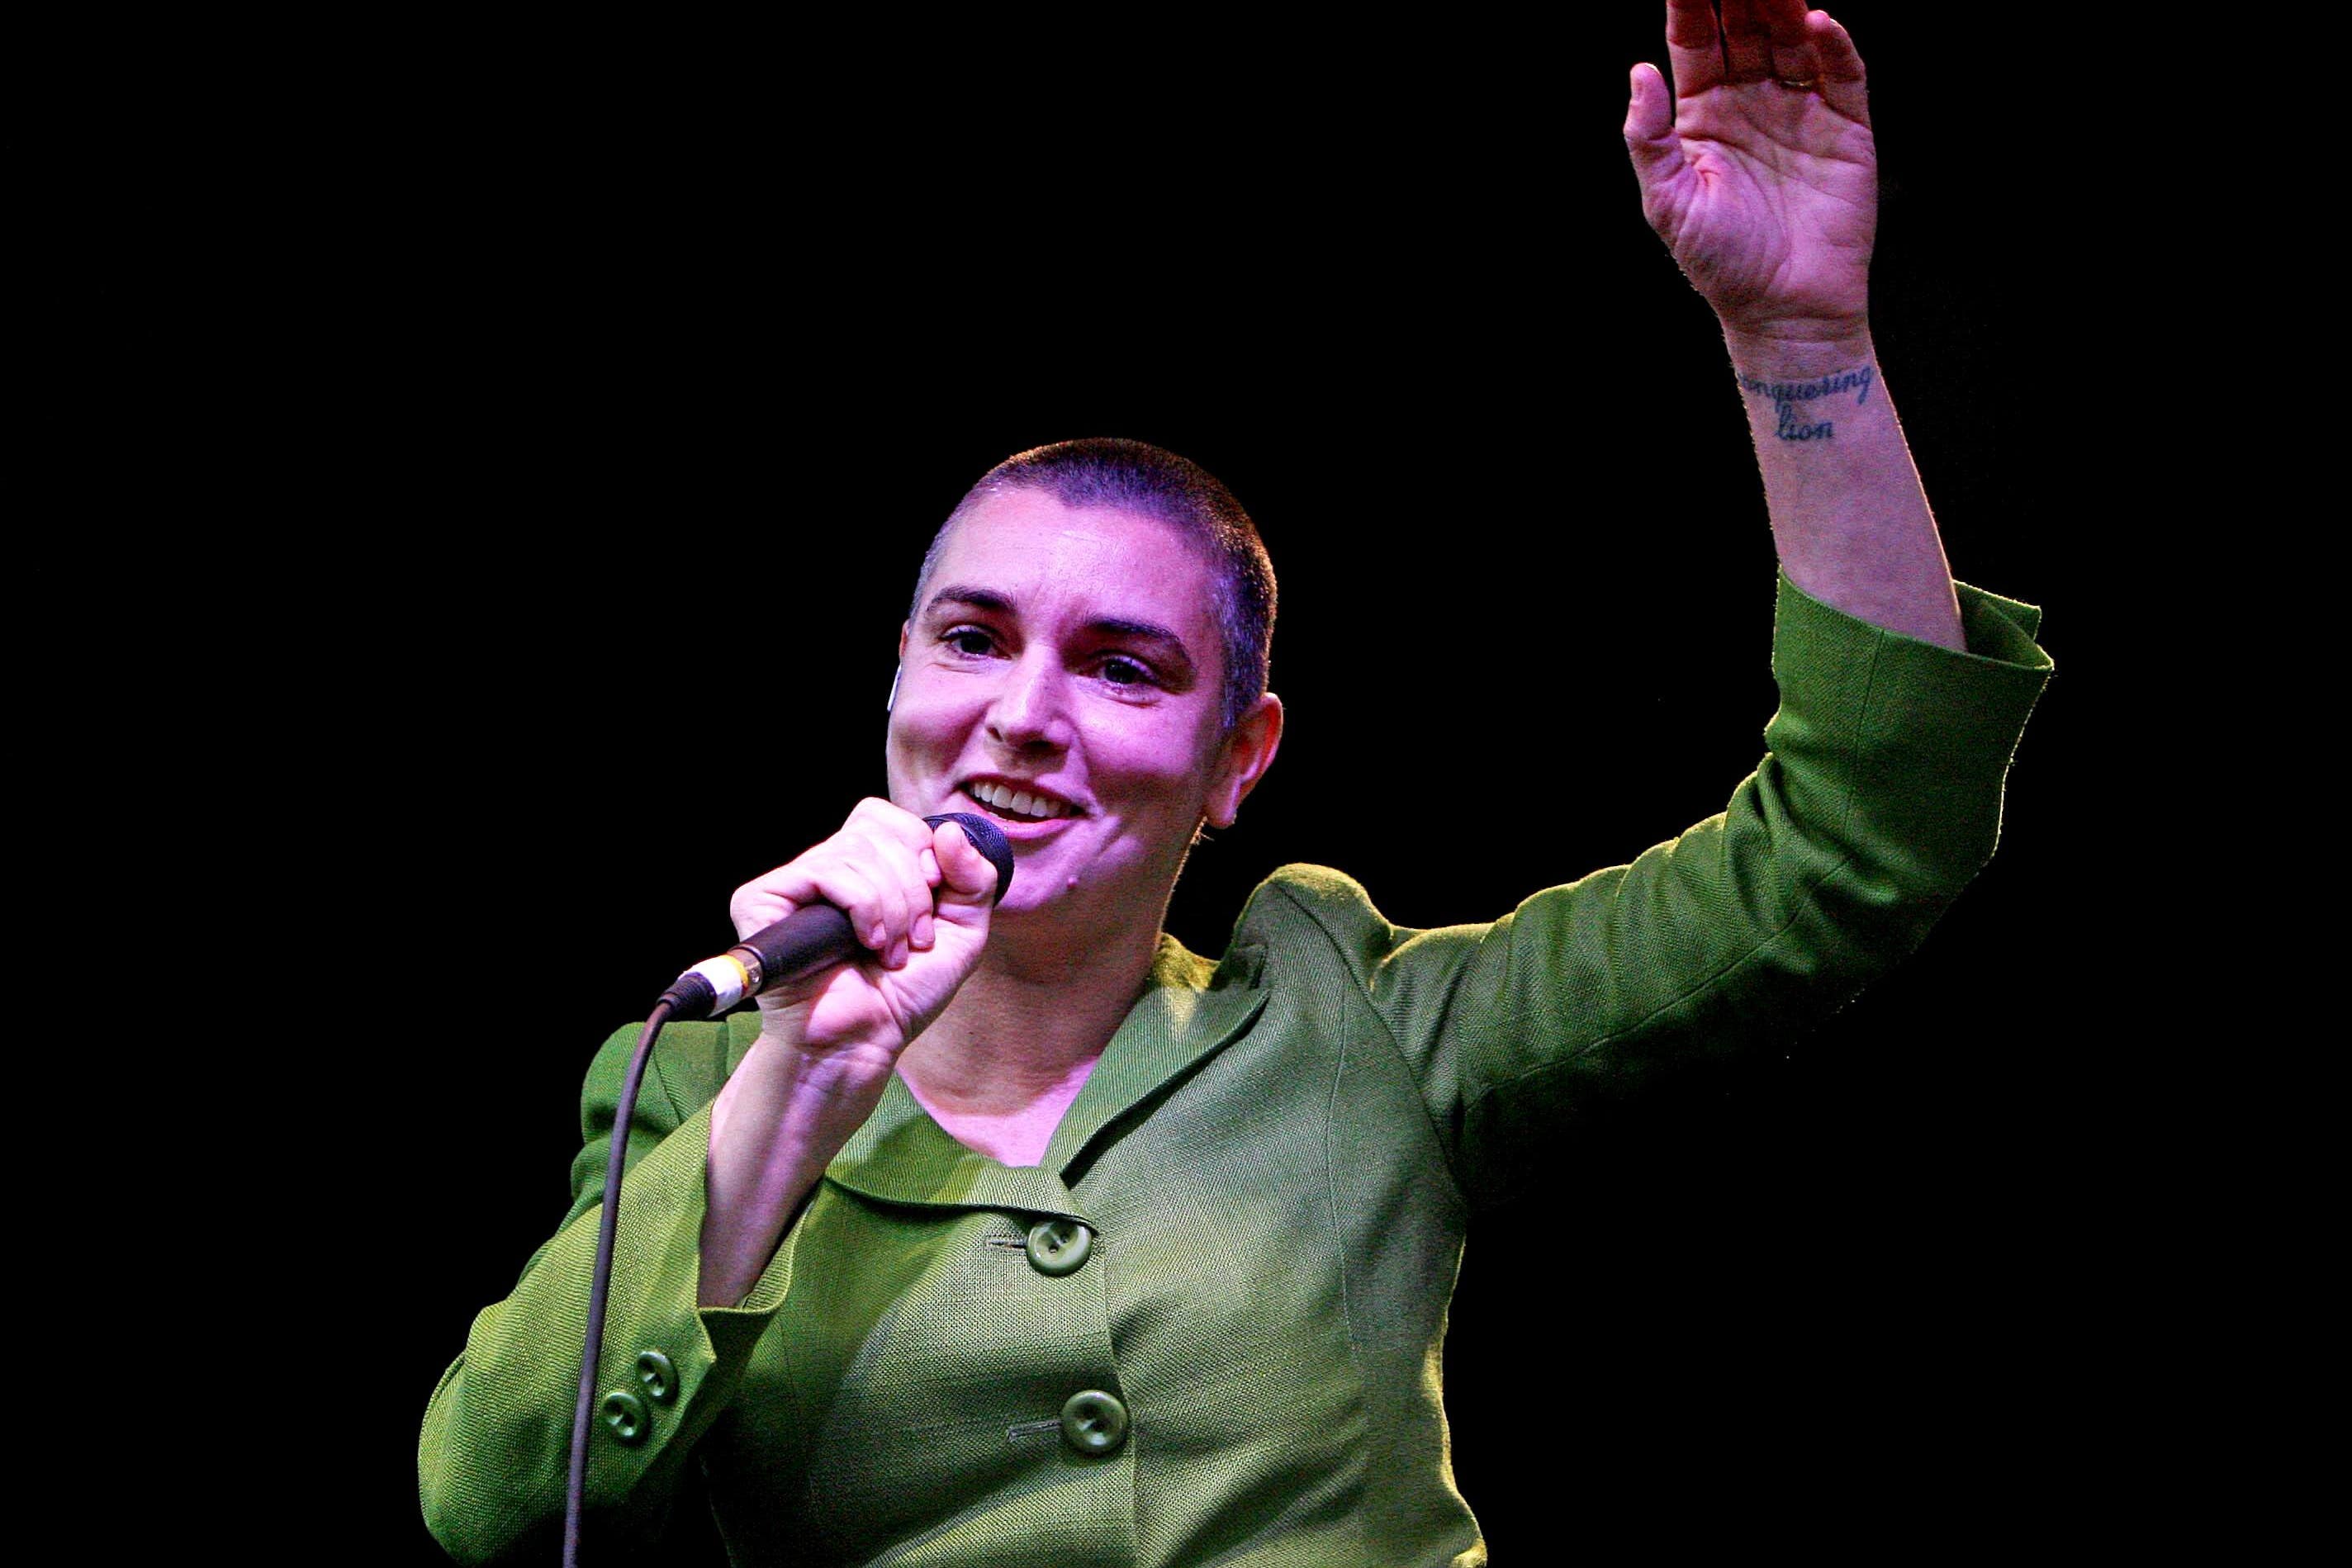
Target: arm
(1901, 699)
(729, 1135)
(920, 898)
(491, 1458)
(1761, 174)
(1878, 800)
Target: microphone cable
(785, 950)
(600, 1284)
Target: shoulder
(690, 1063)
(1311, 915)
(1307, 895)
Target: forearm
(919, 897)
(1849, 518)
(774, 1127)
(1878, 800)
(491, 1461)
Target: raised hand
(1760, 173)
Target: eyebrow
(978, 598)
(1169, 647)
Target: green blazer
(1206, 1327)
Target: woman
(1032, 1236)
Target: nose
(1030, 709)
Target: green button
(1059, 1245)
(657, 1376)
(1094, 1422)
(626, 1418)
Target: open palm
(1761, 174)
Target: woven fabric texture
(1277, 1155)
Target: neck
(1028, 1025)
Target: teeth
(1018, 802)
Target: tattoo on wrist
(1791, 421)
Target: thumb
(1650, 138)
(967, 877)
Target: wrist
(846, 1080)
(1794, 349)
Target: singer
(1029, 1236)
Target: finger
(900, 845)
(1650, 138)
(1747, 41)
(877, 910)
(1843, 84)
(922, 931)
(968, 878)
(1694, 49)
(898, 825)
(772, 895)
(761, 902)
(921, 872)
(1782, 21)
(1793, 59)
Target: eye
(1121, 670)
(970, 642)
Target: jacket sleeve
(496, 1436)
(1878, 799)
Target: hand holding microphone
(914, 892)
(880, 886)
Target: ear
(1243, 757)
(906, 629)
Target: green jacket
(1240, 1245)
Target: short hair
(1116, 475)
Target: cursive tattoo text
(1794, 422)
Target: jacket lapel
(901, 1155)
(1191, 1008)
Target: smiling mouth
(1018, 805)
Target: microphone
(807, 940)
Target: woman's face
(1063, 675)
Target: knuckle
(878, 814)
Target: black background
(539, 436)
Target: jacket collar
(1189, 1009)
